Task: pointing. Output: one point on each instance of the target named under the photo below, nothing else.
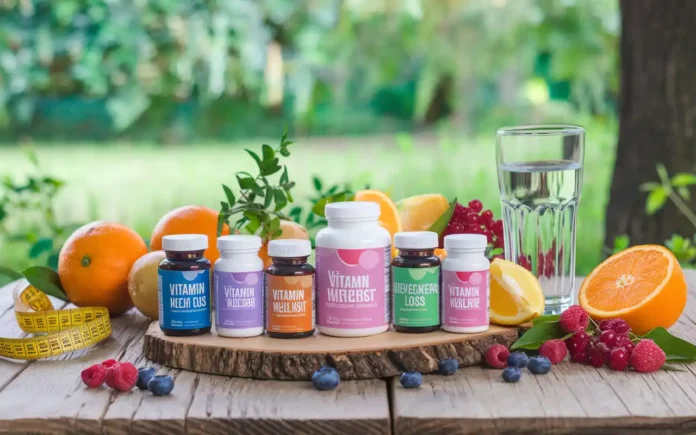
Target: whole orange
(190, 219)
(94, 264)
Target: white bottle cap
(352, 210)
(468, 242)
(416, 240)
(289, 248)
(185, 242)
(239, 243)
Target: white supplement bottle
(353, 257)
(465, 284)
(238, 287)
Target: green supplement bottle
(416, 279)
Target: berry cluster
(474, 220)
(123, 376)
(611, 345)
(546, 262)
(499, 357)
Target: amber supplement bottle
(289, 283)
(184, 286)
(416, 279)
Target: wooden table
(47, 396)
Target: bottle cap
(289, 248)
(352, 210)
(469, 242)
(185, 242)
(416, 240)
(239, 243)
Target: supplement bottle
(184, 286)
(465, 284)
(290, 295)
(353, 271)
(238, 287)
(416, 279)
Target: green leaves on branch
(43, 278)
(539, 333)
(261, 201)
(318, 208)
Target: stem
(682, 206)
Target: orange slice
(644, 285)
(389, 218)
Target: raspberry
(475, 205)
(618, 359)
(596, 353)
(574, 319)
(122, 377)
(647, 357)
(109, 363)
(620, 326)
(496, 356)
(94, 376)
(554, 350)
(608, 337)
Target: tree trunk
(657, 115)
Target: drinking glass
(540, 179)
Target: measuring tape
(65, 330)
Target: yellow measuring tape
(65, 330)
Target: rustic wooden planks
(571, 399)
(377, 356)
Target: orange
(440, 252)
(190, 219)
(291, 230)
(419, 213)
(94, 264)
(644, 285)
(389, 217)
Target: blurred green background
(124, 110)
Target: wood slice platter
(377, 356)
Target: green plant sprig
(260, 204)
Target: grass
(136, 185)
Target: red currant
(475, 205)
(487, 214)
(498, 228)
(474, 229)
(489, 235)
(473, 218)
(499, 243)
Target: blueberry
(161, 385)
(539, 365)
(144, 376)
(326, 378)
(448, 367)
(411, 379)
(517, 359)
(511, 374)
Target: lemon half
(516, 295)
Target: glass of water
(540, 179)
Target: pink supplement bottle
(465, 284)
(353, 257)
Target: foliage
(676, 189)
(134, 53)
(27, 214)
(260, 201)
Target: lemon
(419, 213)
(516, 296)
(142, 283)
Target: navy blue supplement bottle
(184, 286)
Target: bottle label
(184, 299)
(416, 296)
(353, 287)
(238, 299)
(466, 297)
(289, 303)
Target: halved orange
(389, 218)
(644, 285)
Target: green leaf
(684, 179)
(254, 222)
(317, 183)
(3, 213)
(31, 155)
(280, 199)
(258, 190)
(275, 224)
(44, 244)
(318, 208)
(671, 368)
(496, 251)
(538, 334)
(684, 193)
(441, 222)
(284, 177)
(46, 280)
(620, 243)
(649, 187)
(655, 200)
(268, 153)
(230, 196)
(545, 319)
(10, 273)
(677, 349)
(224, 207)
(662, 172)
(284, 152)
(220, 223)
(245, 182)
(269, 197)
(255, 157)
(276, 234)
